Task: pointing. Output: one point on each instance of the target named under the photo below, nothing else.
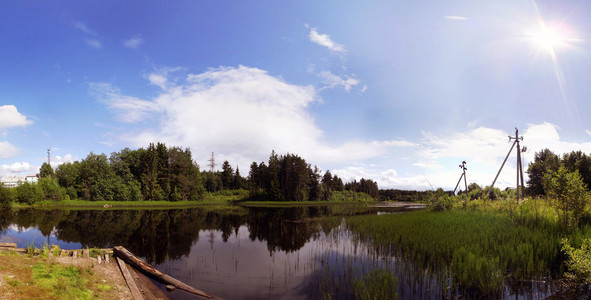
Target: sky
(400, 92)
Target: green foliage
(570, 193)
(578, 262)
(544, 161)
(440, 200)
(29, 193)
(7, 196)
(377, 284)
(51, 189)
(481, 248)
(46, 171)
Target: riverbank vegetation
(479, 241)
(35, 277)
(161, 173)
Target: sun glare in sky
(549, 38)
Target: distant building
(16, 180)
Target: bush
(51, 189)
(7, 196)
(29, 193)
(579, 262)
(570, 193)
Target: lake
(237, 252)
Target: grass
(481, 246)
(35, 277)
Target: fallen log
(133, 288)
(8, 245)
(152, 272)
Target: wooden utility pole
(463, 167)
(517, 138)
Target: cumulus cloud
(133, 42)
(130, 109)
(10, 117)
(331, 80)
(58, 160)
(18, 167)
(8, 150)
(240, 113)
(326, 41)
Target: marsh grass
(481, 246)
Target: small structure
(16, 180)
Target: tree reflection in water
(159, 235)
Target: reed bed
(478, 249)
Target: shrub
(7, 196)
(579, 262)
(29, 193)
(570, 193)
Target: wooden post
(493, 184)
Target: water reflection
(158, 235)
(237, 252)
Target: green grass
(481, 246)
(65, 281)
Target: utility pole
(212, 163)
(516, 139)
(463, 167)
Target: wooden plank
(20, 250)
(8, 245)
(135, 292)
(149, 270)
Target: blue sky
(397, 91)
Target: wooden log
(147, 287)
(149, 270)
(135, 291)
(20, 250)
(8, 245)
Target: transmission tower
(212, 163)
(48, 156)
(463, 167)
(516, 139)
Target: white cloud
(130, 109)
(326, 41)
(10, 117)
(58, 160)
(240, 113)
(133, 42)
(456, 18)
(158, 80)
(94, 43)
(8, 150)
(588, 132)
(23, 168)
(82, 27)
(331, 80)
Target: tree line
(161, 173)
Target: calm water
(235, 252)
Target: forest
(161, 173)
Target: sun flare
(549, 38)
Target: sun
(549, 38)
